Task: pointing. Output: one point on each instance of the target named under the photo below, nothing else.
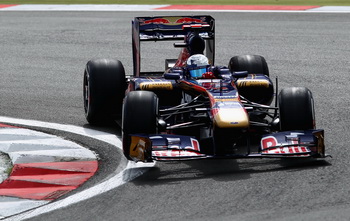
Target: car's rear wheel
(254, 64)
(296, 108)
(104, 90)
(140, 111)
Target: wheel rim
(86, 93)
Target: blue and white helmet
(197, 65)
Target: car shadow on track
(221, 170)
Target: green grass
(186, 2)
(9, 170)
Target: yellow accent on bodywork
(156, 85)
(226, 99)
(139, 147)
(231, 117)
(253, 83)
(320, 142)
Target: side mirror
(172, 76)
(240, 74)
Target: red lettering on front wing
(175, 153)
(271, 141)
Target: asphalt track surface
(41, 65)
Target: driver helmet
(197, 65)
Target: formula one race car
(194, 109)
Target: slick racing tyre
(296, 109)
(254, 64)
(104, 90)
(140, 111)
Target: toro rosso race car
(195, 110)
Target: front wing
(287, 144)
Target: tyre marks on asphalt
(45, 167)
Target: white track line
(129, 173)
(121, 7)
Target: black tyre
(254, 64)
(140, 111)
(296, 108)
(104, 90)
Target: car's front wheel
(296, 109)
(140, 112)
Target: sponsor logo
(253, 83)
(173, 21)
(156, 21)
(175, 154)
(268, 142)
(156, 86)
(189, 20)
(270, 145)
(227, 100)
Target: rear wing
(170, 28)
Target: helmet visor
(197, 72)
